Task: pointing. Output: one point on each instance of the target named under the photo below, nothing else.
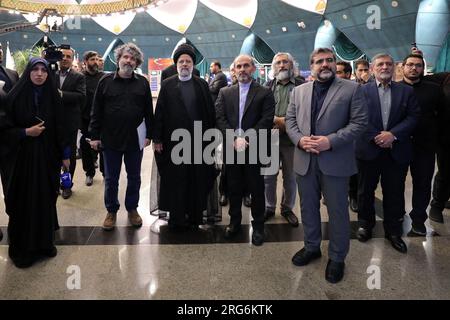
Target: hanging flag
(9, 59)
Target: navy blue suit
(390, 164)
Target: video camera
(53, 53)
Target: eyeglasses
(417, 65)
(320, 61)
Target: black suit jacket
(73, 98)
(258, 112)
(220, 81)
(12, 75)
(403, 119)
(172, 70)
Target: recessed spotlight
(284, 29)
(99, 39)
(84, 39)
(134, 39)
(394, 4)
(233, 36)
(167, 39)
(301, 24)
(199, 38)
(268, 31)
(25, 36)
(64, 38)
(344, 16)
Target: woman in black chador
(33, 138)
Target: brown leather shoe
(110, 221)
(134, 218)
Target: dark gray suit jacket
(342, 118)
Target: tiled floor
(155, 263)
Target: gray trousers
(289, 185)
(335, 192)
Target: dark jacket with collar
(402, 122)
(11, 74)
(220, 81)
(120, 105)
(73, 98)
(431, 102)
(13, 78)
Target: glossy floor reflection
(156, 263)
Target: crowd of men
(338, 138)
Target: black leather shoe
(363, 234)
(303, 257)
(291, 218)
(258, 237)
(436, 215)
(248, 201)
(447, 205)
(231, 230)
(268, 214)
(397, 243)
(223, 201)
(52, 252)
(334, 271)
(66, 193)
(418, 229)
(353, 205)
(89, 181)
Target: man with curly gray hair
(121, 126)
(134, 52)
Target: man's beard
(284, 75)
(324, 75)
(385, 76)
(93, 68)
(244, 78)
(184, 73)
(126, 69)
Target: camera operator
(72, 88)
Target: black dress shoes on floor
(436, 215)
(290, 218)
(303, 257)
(334, 271)
(89, 181)
(353, 204)
(66, 193)
(363, 234)
(268, 214)
(248, 201)
(231, 230)
(397, 243)
(258, 237)
(223, 201)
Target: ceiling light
(284, 29)
(268, 31)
